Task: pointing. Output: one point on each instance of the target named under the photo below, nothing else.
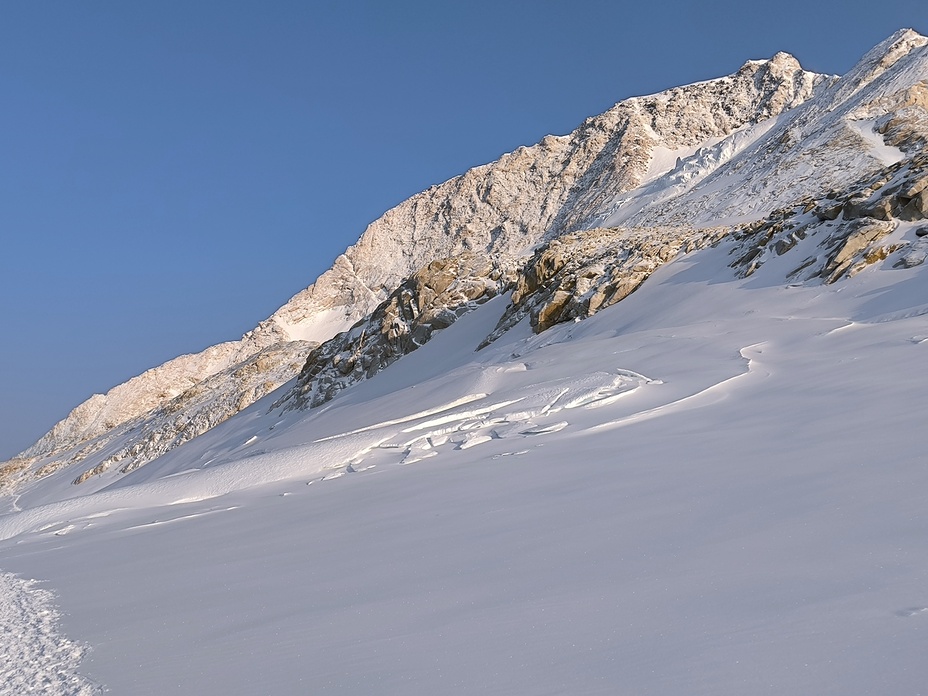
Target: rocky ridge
(195, 410)
(854, 126)
(432, 299)
(539, 192)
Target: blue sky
(172, 172)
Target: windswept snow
(320, 327)
(878, 149)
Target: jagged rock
(917, 208)
(550, 312)
(581, 273)
(916, 186)
(776, 234)
(430, 300)
(856, 241)
(829, 212)
(866, 206)
(784, 245)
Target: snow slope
(721, 496)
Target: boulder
(917, 208)
(829, 212)
(550, 312)
(854, 245)
(880, 209)
(916, 186)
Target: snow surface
(690, 168)
(37, 659)
(886, 154)
(714, 486)
(320, 327)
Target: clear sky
(171, 172)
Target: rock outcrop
(853, 226)
(430, 300)
(578, 274)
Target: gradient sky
(172, 172)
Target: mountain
(725, 151)
(634, 409)
(502, 209)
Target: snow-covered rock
(430, 300)
(207, 401)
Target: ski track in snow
(37, 658)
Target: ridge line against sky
(175, 172)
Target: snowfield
(714, 486)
